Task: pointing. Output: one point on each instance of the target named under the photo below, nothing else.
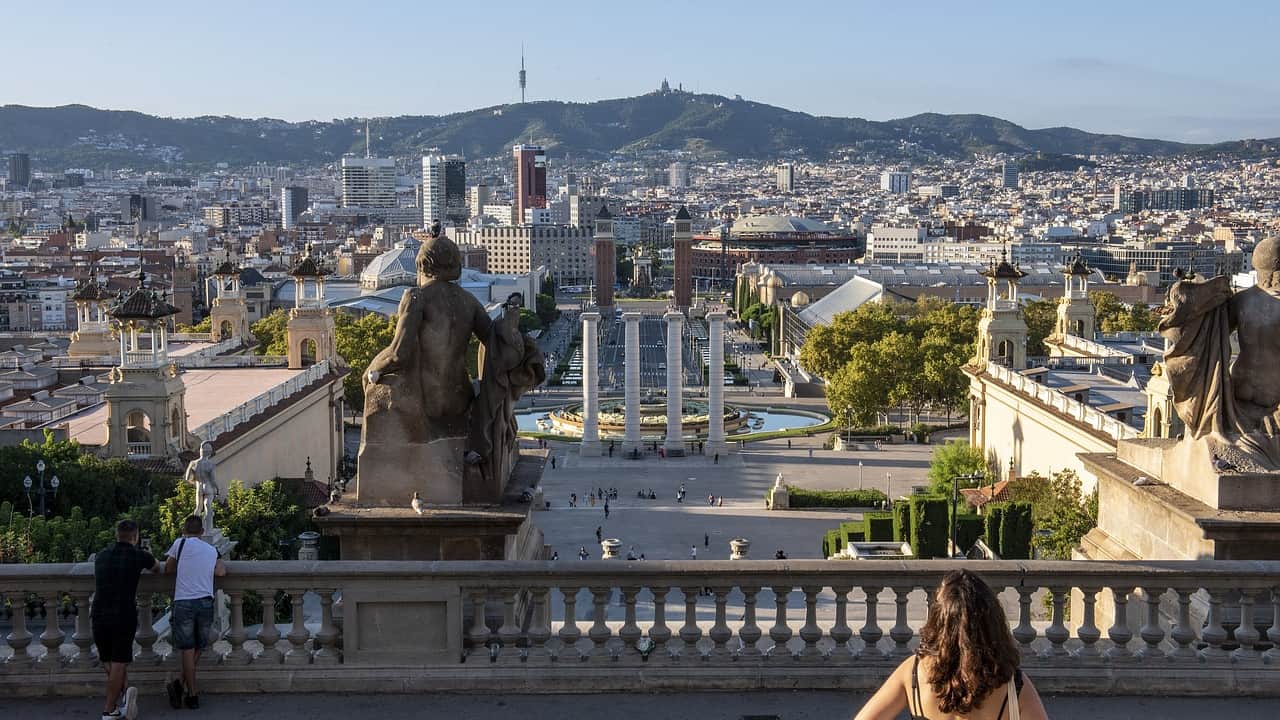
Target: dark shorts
(114, 640)
(192, 623)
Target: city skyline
(1100, 68)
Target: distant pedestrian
(717, 459)
(693, 552)
(720, 501)
(711, 499)
(810, 453)
(606, 509)
(599, 533)
(555, 555)
(582, 553)
(553, 462)
(706, 540)
(573, 499)
(593, 500)
(788, 443)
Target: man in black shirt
(115, 615)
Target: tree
(547, 312)
(827, 347)
(358, 340)
(257, 518)
(1060, 508)
(954, 459)
(272, 334)
(1114, 316)
(204, 326)
(1040, 316)
(857, 391)
(529, 321)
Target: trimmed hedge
(879, 526)
(803, 498)
(831, 543)
(1015, 531)
(902, 522)
(991, 520)
(928, 527)
(969, 528)
(851, 532)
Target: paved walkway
(810, 705)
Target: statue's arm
(408, 323)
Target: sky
(1192, 71)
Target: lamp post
(859, 474)
(888, 478)
(955, 498)
(41, 491)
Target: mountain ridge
(708, 126)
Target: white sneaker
(113, 715)
(129, 706)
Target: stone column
(590, 386)
(674, 445)
(631, 391)
(715, 384)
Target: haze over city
(1100, 66)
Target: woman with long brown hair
(967, 664)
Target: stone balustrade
(617, 625)
(1068, 406)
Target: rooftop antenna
(522, 73)
(366, 138)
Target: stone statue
(419, 395)
(200, 474)
(1230, 407)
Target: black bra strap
(915, 689)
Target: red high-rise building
(531, 179)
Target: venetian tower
(92, 337)
(311, 330)
(1075, 312)
(229, 316)
(1002, 331)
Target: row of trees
(1110, 314)
(893, 355)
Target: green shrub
(968, 530)
(902, 522)
(928, 526)
(830, 543)
(1015, 531)
(879, 526)
(991, 519)
(803, 498)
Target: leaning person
(195, 562)
(114, 615)
(967, 665)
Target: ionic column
(675, 383)
(715, 384)
(590, 385)
(631, 392)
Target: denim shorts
(192, 623)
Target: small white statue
(200, 474)
(777, 482)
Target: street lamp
(888, 478)
(42, 491)
(955, 498)
(859, 474)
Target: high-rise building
(606, 261)
(530, 176)
(134, 207)
(1135, 201)
(682, 239)
(432, 190)
(293, 202)
(478, 198)
(678, 175)
(368, 182)
(1009, 175)
(19, 171)
(455, 190)
(786, 178)
(895, 181)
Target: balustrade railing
(1183, 628)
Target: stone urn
(609, 548)
(738, 548)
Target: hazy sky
(1195, 71)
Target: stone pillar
(631, 391)
(590, 386)
(715, 384)
(675, 383)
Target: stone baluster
(841, 633)
(1273, 633)
(629, 633)
(569, 632)
(146, 635)
(749, 634)
(1246, 634)
(1057, 633)
(1183, 634)
(52, 636)
(870, 631)
(509, 631)
(326, 640)
(237, 636)
(539, 628)
(1151, 632)
(810, 632)
(659, 633)
(1088, 631)
(780, 633)
(298, 634)
(1119, 632)
(1214, 634)
(1025, 632)
(83, 636)
(901, 632)
(268, 634)
(600, 632)
(18, 638)
(690, 633)
(720, 632)
(478, 633)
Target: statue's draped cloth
(1197, 358)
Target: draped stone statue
(424, 426)
(1229, 408)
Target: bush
(991, 520)
(902, 522)
(1015, 531)
(879, 526)
(803, 498)
(850, 532)
(830, 543)
(954, 459)
(928, 527)
(968, 530)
